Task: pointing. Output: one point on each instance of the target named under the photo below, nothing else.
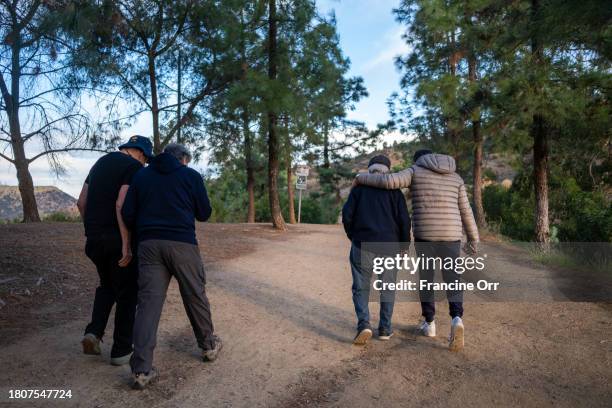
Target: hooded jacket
(440, 206)
(164, 200)
(375, 215)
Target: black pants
(158, 261)
(428, 249)
(117, 286)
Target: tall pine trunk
(248, 140)
(273, 145)
(326, 161)
(453, 132)
(179, 74)
(540, 178)
(26, 184)
(157, 147)
(250, 171)
(539, 133)
(24, 177)
(248, 149)
(478, 147)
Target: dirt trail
(282, 305)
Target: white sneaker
(428, 329)
(123, 360)
(455, 340)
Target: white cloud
(391, 46)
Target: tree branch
(178, 31)
(8, 159)
(66, 150)
(208, 90)
(5, 93)
(49, 124)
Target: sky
(369, 36)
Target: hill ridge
(50, 199)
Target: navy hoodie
(374, 215)
(164, 200)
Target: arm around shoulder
(389, 181)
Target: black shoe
(141, 380)
(384, 335)
(212, 354)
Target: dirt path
(282, 304)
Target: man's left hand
(126, 257)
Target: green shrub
(575, 215)
(581, 215)
(60, 216)
(509, 211)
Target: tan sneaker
(362, 337)
(455, 340)
(142, 380)
(91, 344)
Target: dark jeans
(455, 298)
(158, 261)
(117, 286)
(362, 275)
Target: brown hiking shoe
(91, 344)
(211, 355)
(362, 337)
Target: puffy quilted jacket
(440, 206)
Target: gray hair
(179, 151)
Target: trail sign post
(300, 184)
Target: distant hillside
(49, 199)
(360, 164)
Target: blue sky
(369, 36)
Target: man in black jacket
(373, 215)
(162, 205)
(109, 247)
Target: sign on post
(300, 184)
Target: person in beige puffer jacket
(440, 206)
(440, 213)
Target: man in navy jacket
(381, 216)
(161, 207)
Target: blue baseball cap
(139, 142)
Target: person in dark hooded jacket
(372, 215)
(161, 207)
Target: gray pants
(158, 261)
